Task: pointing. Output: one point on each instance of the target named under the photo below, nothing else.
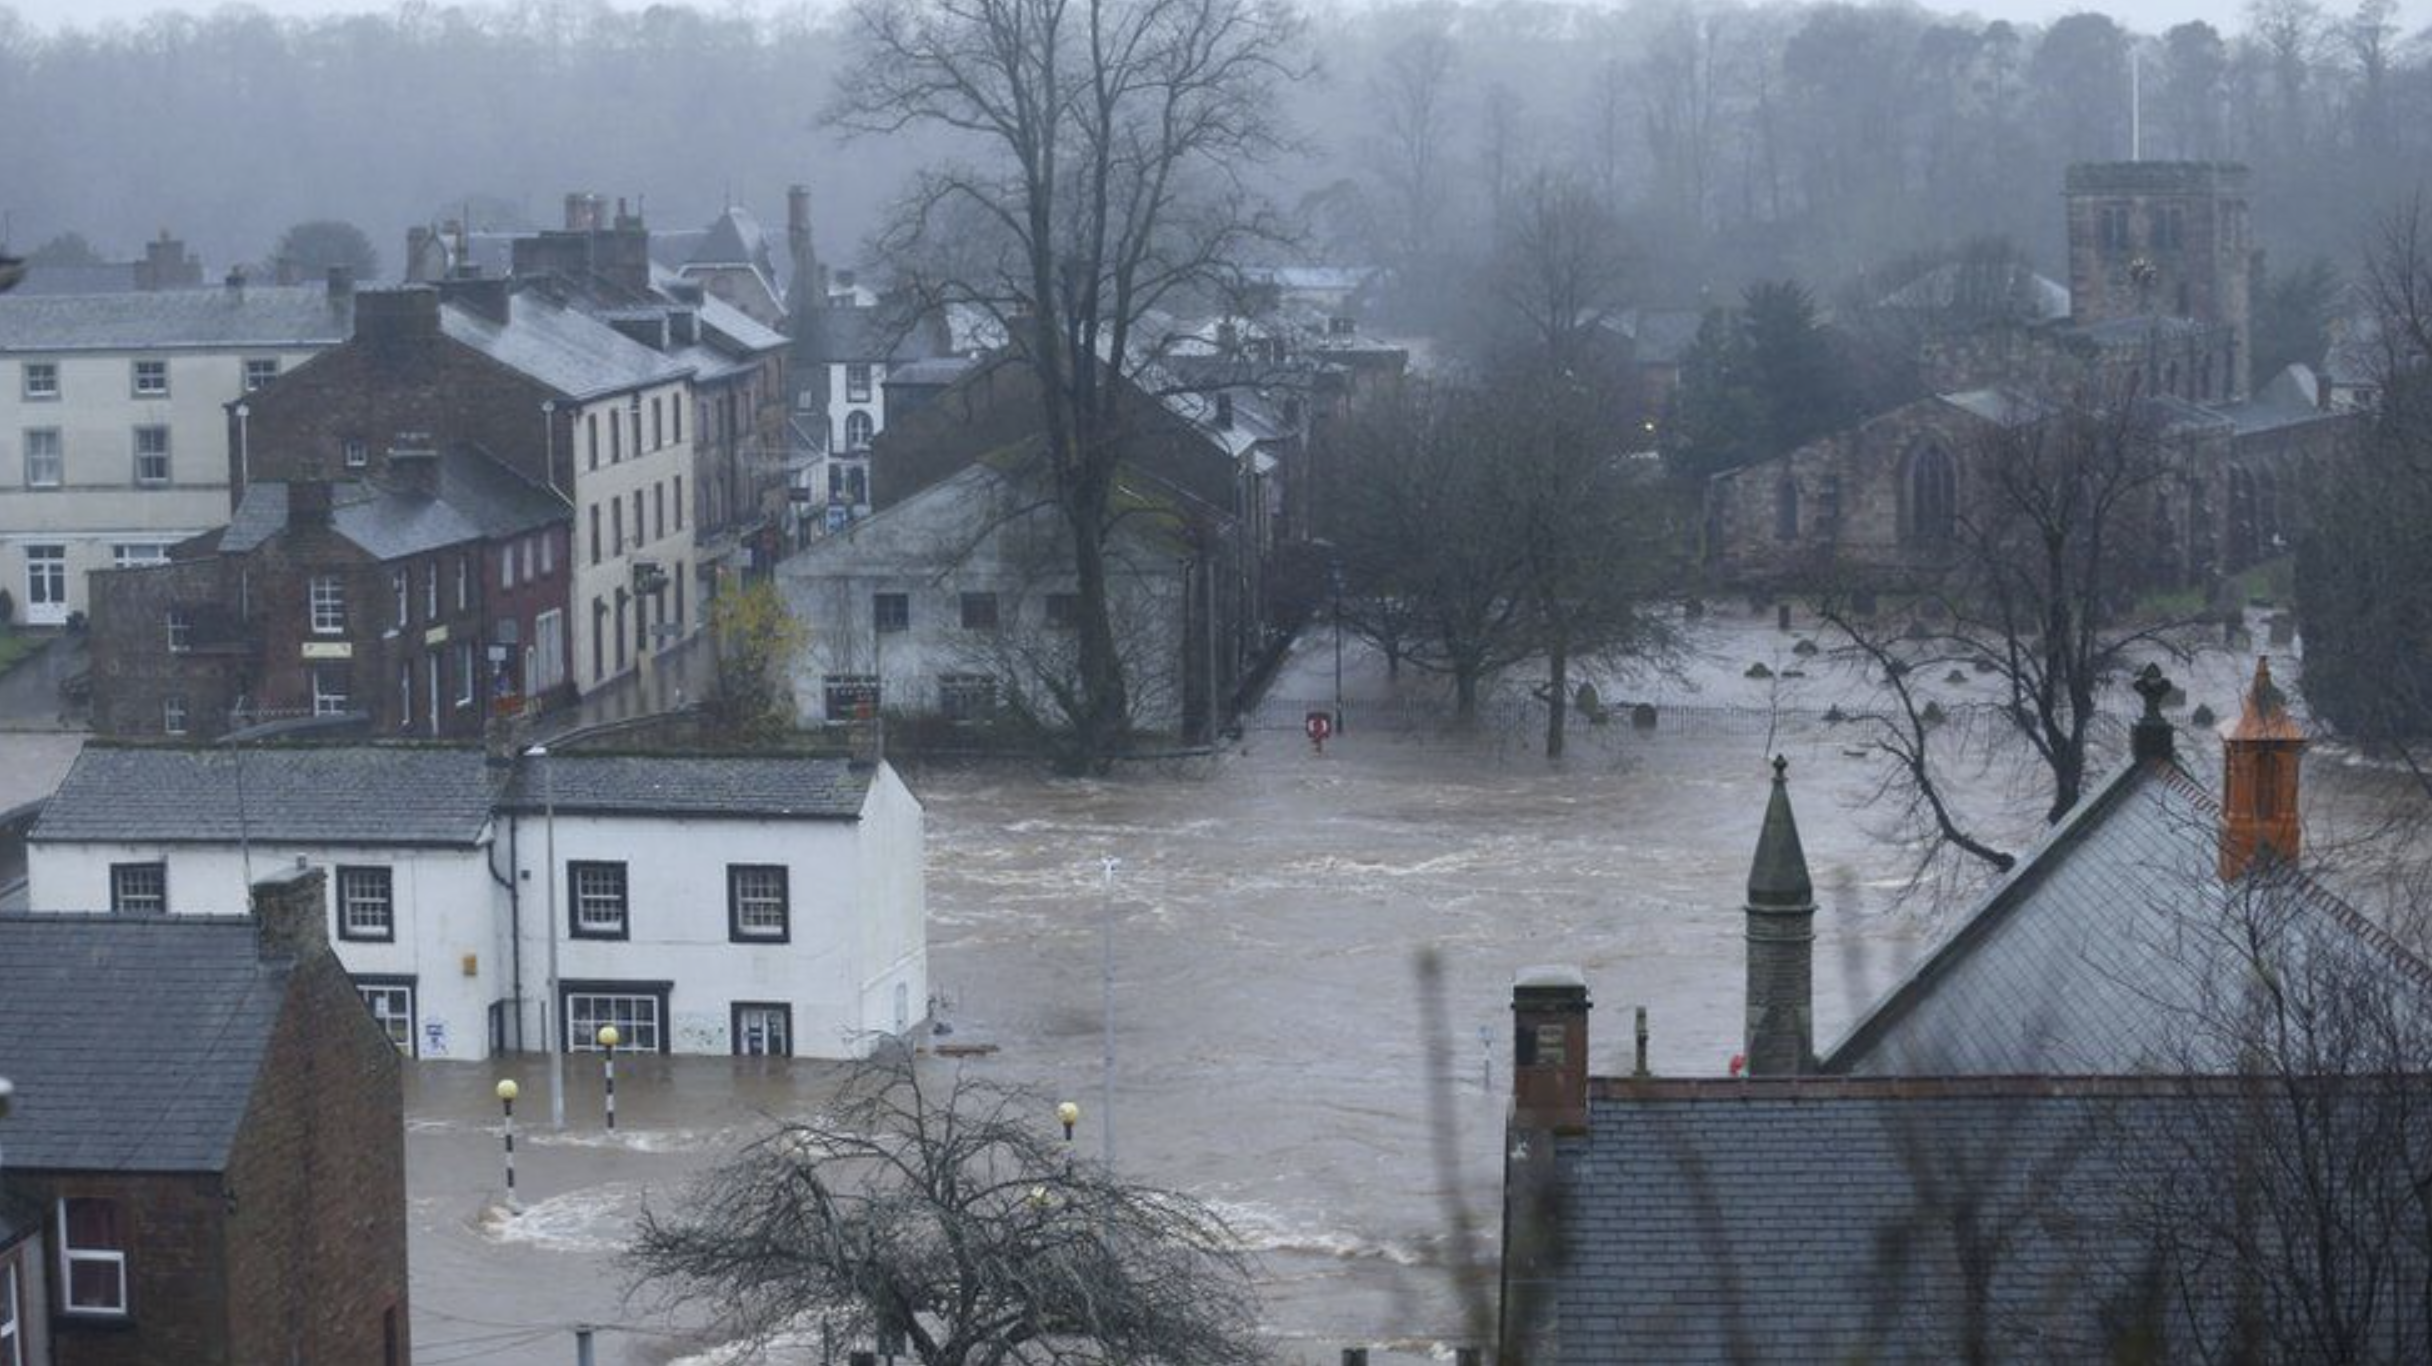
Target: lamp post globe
(608, 1036)
(508, 1090)
(1068, 1114)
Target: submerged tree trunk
(1101, 717)
(1557, 696)
(1465, 694)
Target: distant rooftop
(175, 319)
(355, 794)
(779, 787)
(563, 348)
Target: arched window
(1933, 496)
(1786, 509)
(858, 429)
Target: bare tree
(1413, 93)
(1109, 140)
(1561, 266)
(944, 1211)
(2047, 537)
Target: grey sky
(2148, 15)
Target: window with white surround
(44, 466)
(548, 554)
(92, 1257)
(756, 903)
(464, 673)
(549, 645)
(357, 453)
(401, 585)
(328, 692)
(328, 600)
(506, 567)
(259, 371)
(391, 1002)
(464, 583)
(41, 379)
(367, 904)
(857, 384)
(859, 430)
(405, 696)
(139, 888)
(636, 1015)
(173, 714)
(596, 895)
(430, 591)
(151, 379)
(151, 455)
(129, 554)
(46, 576)
(181, 631)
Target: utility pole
(1106, 1006)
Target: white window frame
(405, 695)
(46, 568)
(430, 591)
(381, 1000)
(35, 393)
(584, 1016)
(326, 596)
(181, 631)
(55, 456)
(70, 1255)
(131, 554)
(464, 673)
(777, 1029)
(153, 901)
(857, 378)
(762, 902)
(464, 583)
(325, 702)
(549, 641)
(260, 370)
(506, 566)
(173, 714)
(369, 887)
(580, 900)
(401, 583)
(357, 454)
(548, 555)
(139, 370)
(144, 479)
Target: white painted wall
(98, 503)
(446, 907)
(858, 901)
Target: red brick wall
(316, 1245)
(177, 1273)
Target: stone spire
(1781, 943)
(2260, 760)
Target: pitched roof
(106, 1078)
(356, 794)
(108, 277)
(168, 319)
(2102, 950)
(567, 350)
(478, 499)
(1818, 1219)
(769, 787)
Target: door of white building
(46, 585)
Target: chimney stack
(1550, 1049)
(308, 502)
(236, 284)
(1781, 914)
(289, 918)
(2260, 757)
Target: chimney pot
(341, 282)
(289, 918)
(1550, 1049)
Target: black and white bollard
(506, 1102)
(608, 1042)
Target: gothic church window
(1933, 496)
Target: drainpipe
(515, 920)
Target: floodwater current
(1267, 914)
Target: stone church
(2160, 264)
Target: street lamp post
(1106, 1010)
(608, 1041)
(549, 1038)
(507, 1091)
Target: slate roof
(567, 350)
(110, 277)
(1812, 1220)
(478, 499)
(770, 787)
(2103, 947)
(172, 319)
(360, 794)
(865, 334)
(107, 1078)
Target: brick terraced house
(206, 1159)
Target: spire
(1781, 915)
(2260, 757)
(1778, 878)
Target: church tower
(1781, 944)
(2166, 240)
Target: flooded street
(1267, 912)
